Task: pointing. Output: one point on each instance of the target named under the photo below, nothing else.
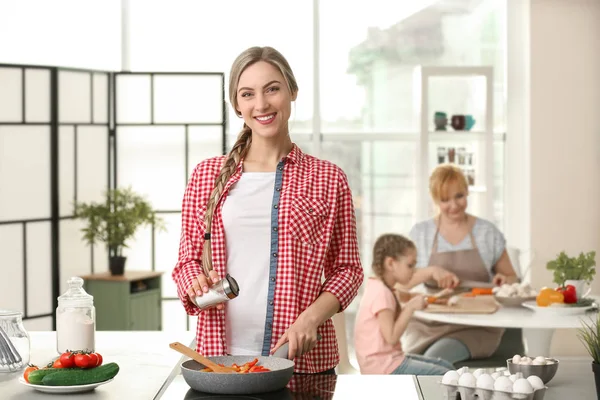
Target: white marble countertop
(144, 358)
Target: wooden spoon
(193, 354)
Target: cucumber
(81, 376)
(35, 377)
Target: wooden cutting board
(467, 305)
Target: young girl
(381, 320)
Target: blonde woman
(278, 221)
(456, 246)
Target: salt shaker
(75, 319)
(221, 291)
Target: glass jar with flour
(75, 319)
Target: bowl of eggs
(514, 295)
(544, 367)
(487, 385)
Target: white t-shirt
(247, 222)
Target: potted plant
(589, 335)
(576, 271)
(115, 221)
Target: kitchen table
(573, 380)
(538, 328)
(144, 358)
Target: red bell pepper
(569, 292)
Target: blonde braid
(237, 153)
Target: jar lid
(76, 296)
(10, 313)
(230, 287)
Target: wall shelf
(481, 142)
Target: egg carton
(456, 392)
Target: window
(195, 36)
(368, 104)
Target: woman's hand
(200, 286)
(302, 338)
(445, 279)
(500, 279)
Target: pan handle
(283, 351)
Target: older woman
(455, 246)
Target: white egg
(478, 372)
(496, 375)
(522, 386)
(506, 373)
(485, 381)
(462, 370)
(503, 384)
(514, 377)
(467, 379)
(501, 369)
(536, 382)
(537, 362)
(525, 361)
(540, 358)
(450, 378)
(549, 362)
(516, 359)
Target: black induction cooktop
(318, 387)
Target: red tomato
(99, 359)
(66, 360)
(82, 360)
(57, 364)
(93, 360)
(28, 371)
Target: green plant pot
(117, 265)
(596, 369)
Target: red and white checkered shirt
(317, 237)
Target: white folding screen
(83, 142)
(25, 192)
(165, 124)
(67, 135)
(54, 136)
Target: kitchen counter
(149, 370)
(573, 380)
(144, 358)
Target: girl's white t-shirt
(247, 222)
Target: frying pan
(281, 371)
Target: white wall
(556, 112)
(69, 33)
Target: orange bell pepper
(549, 296)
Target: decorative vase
(458, 122)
